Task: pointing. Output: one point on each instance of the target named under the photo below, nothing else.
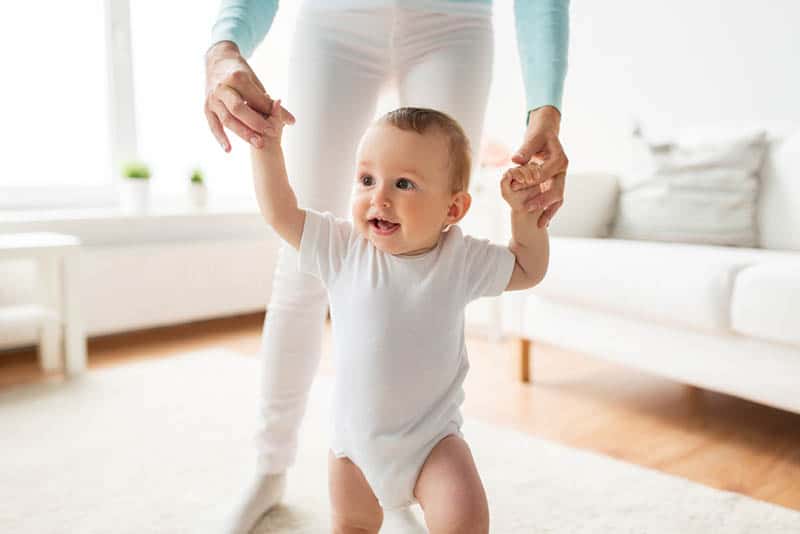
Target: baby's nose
(381, 199)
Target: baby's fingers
(515, 199)
(514, 178)
(274, 121)
(505, 185)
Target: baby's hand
(516, 186)
(276, 119)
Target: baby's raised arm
(529, 243)
(275, 196)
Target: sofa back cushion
(701, 190)
(779, 196)
(589, 206)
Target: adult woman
(437, 54)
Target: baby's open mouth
(382, 226)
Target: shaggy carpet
(165, 446)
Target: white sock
(263, 494)
(402, 521)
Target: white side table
(58, 296)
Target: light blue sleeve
(245, 22)
(543, 40)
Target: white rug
(164, 446)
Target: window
(79, 100)
(55, 104)
(169, 40)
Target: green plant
(197, 177)
(136, 170)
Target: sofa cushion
(766, 302)
(669, 283)
(693, 190)
(779, 197)
(589, 206)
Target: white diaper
(392, 474)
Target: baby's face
(402, 197)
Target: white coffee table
(58, 301)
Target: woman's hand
(542, 148)
(235, 98)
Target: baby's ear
(459, 205)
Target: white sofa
(721, 318)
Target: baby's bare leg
(354, 507)
(450, 491)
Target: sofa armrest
(590, 203)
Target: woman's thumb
(522, 156)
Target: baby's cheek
(358, 207)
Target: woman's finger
(533, 173)
(552, 191)
(234, 125)
(217, 129)
(548, 214)
(251, 91)
(556, 162)
(241, 109)
(543, 200)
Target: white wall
(670, 64)
(667, 64)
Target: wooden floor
(576, 400)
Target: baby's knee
(461, 520)
(348, 524)
(354, 507)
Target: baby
(398, 277)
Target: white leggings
(341, 60)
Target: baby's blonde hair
(420, 120)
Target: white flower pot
(198, 195)
(135, 195)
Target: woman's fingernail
(256, 140)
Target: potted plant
(135, 186)
(198, 195)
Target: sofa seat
(766, 302)
(690, 286)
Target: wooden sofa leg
(523, 349)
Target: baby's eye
(404, 183)
(366, 180)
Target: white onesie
(399, 352)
